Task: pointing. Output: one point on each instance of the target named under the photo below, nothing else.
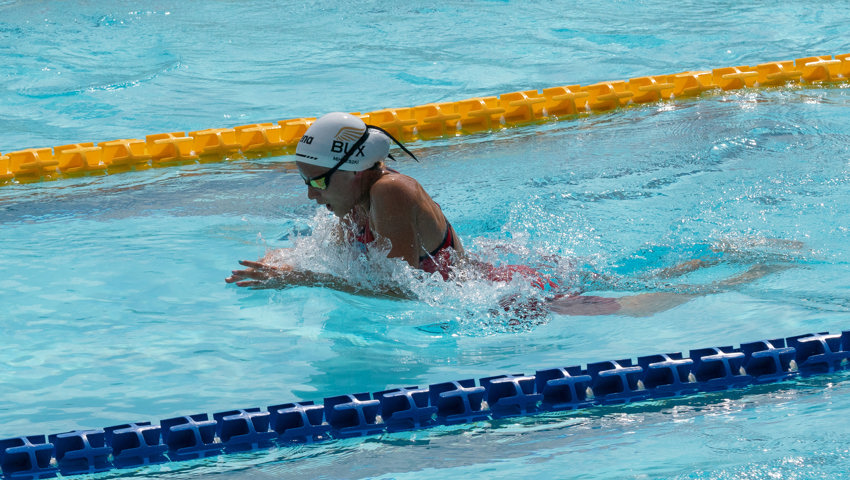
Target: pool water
(114, 306)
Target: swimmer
(341, 160)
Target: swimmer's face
(339, 197)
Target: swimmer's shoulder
(397, 187)
(398, 195)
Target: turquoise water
(114, 307)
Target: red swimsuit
(441, 258)
(438, 260)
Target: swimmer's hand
(259, 275)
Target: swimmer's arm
(257, 273)
(261, 275)
(392, 217)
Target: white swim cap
(334, 135)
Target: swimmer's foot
(686, 267)
(754, 273)
(728, 246)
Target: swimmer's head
(337, 136)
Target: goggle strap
(394, 140)
(360, 141)
(326, 176)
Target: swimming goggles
(323, 181)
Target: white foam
(468, 300)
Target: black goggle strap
(394, 140)
(360, 141)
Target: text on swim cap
(307, 139)
(342, 147)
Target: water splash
(474, 302)
(469, 302)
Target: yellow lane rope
(423, 122)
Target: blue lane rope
(610, 382)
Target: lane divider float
(613, 382)
(423, 122)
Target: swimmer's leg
(646, 304)
(751, 275)
(642, 305)
(583, 305)
(686, 267)
(714, 254)
(738, 245)
(754, 273)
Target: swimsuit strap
(440, 260)
(448, 241)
